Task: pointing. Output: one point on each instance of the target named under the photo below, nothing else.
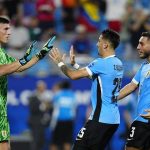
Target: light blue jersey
(142, 78)
(65, 105)
(106, 74)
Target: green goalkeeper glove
(46, 48)
(28, 55)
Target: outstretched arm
(9, 68)
(73, 74)
(27, 60)
(125, 91)
(32, 62)
(40, 55)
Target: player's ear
(105, 45)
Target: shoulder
(143, 64)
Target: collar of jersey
(109, 56)
(146, 62)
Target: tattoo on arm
(64, 69)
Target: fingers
(56, 55)
(147, 110)
(51, 41)
(34, 43)
(52, 57)
(72, 51)
(146, 116)
(72, 55)
(55, 52)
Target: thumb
(147, 110)
(71, 50)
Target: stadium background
(69, 19)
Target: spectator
(3, 10)
(64, 113)
(34, 29)
(69, 19)
(81, 43)
(13, 7)
(143, 4)
(28, 8)
(20, 35)
(58, 14)
(126, 19)
(137, 26)
(45, 14)
(114, 13)
(40, 111)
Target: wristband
(22, 61)
(76, 66)
(60, 64)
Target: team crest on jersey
(147, 74)
(4, 133)
(90, 65)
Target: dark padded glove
(28, 55)
(46, 48)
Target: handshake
(41, 54)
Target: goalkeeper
(10, 65)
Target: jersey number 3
(117, 83)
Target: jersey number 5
(117, 83)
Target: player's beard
(145, 55)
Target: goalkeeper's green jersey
(4, 59)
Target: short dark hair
(146, 34)
(112, 36)
(4, 19)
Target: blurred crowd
(77, 23)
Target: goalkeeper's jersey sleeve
(4, 59)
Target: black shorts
(63, 133)
(139, 135)
(94, 136)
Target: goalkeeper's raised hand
(46, 48)
(28, 55)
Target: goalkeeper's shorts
(4, 129)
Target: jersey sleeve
(96, 67)
(136, 78)
(6, 59)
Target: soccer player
(10, 65)
(106, 73)
(139, 134)
(64, 106)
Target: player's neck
(148, 59)
(108, 54)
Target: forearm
(125, 91)
(33, 61)
(73, 74)
(69, 72)
(9, 68)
